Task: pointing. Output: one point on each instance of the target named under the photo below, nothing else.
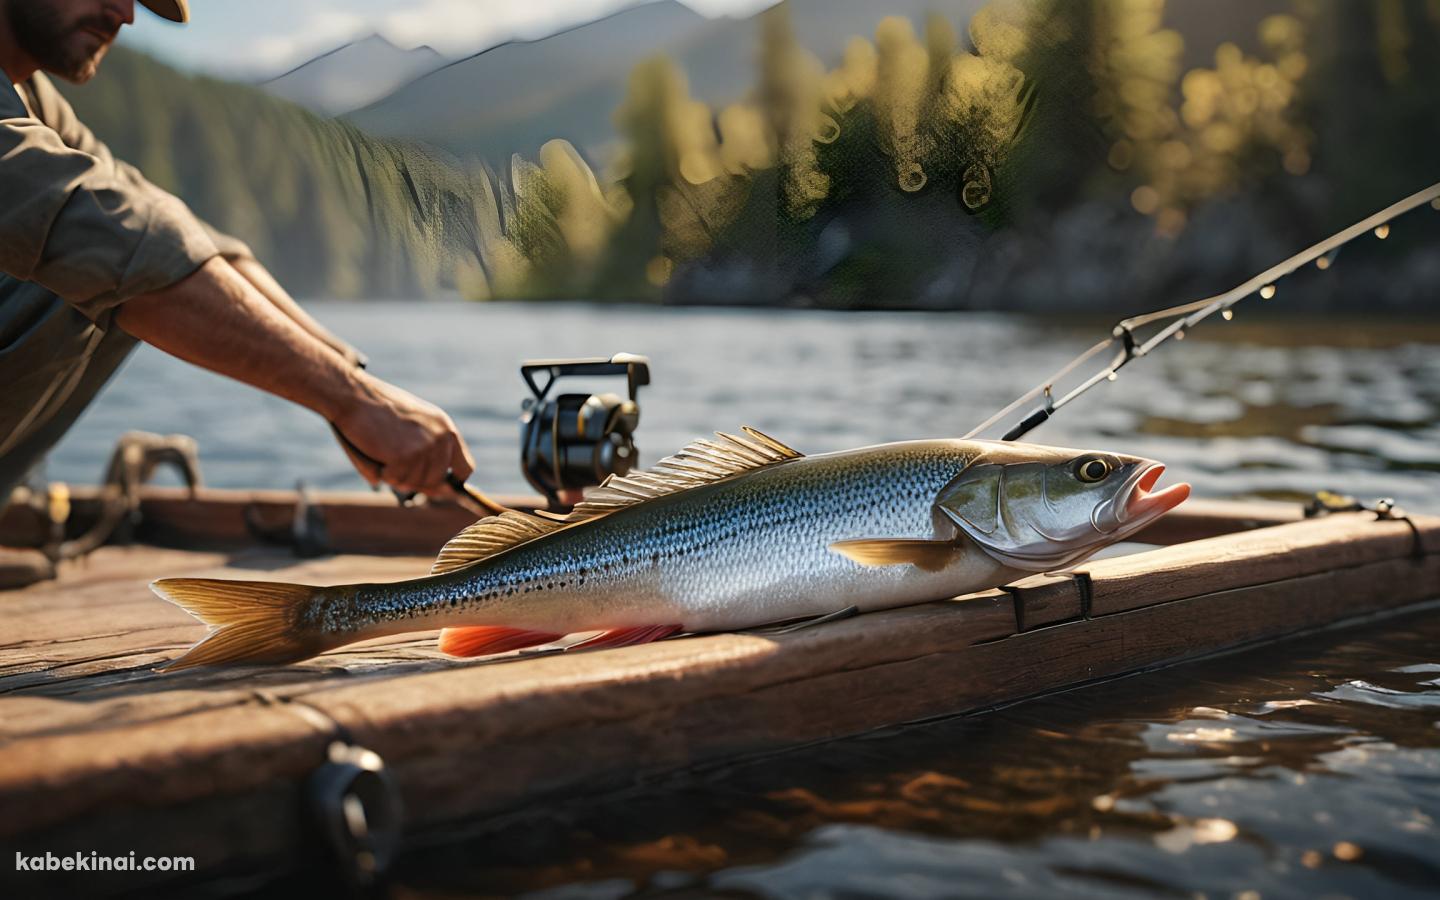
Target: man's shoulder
(43, 102)
(48, 102)
(36, 98)
(12, 103)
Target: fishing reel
(578, 440)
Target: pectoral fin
(932, 556)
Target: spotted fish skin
(724, 535)
(744, 551)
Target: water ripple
(1240, 412)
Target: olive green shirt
(81, 223)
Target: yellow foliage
(999, 30)
(1136, 68)
(940, 115)
(1186, 151)
(792, 85)
(940, 44)
(857, 72)
(510, 270)
(901, 76)
(744, 142)
(585, 218)
(988, 91)
(658, 269)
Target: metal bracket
(307, 527)
(354, 808)
(304, 534)
(1326, 502)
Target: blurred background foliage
(1045, 154)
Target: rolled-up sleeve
(75, 223)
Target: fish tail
(250, 621)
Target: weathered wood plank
(1302, 548)
(1046, 599)
(1128, 582)
(361, 522)
(349, 522)
(352, 521)
(496, 754)
(78, 652)
(83, 722)
(468, 761)
(520, 697)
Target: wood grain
(1336, 541)
(361, 522)
(351, 521)
(96, 747)
(1047, 599)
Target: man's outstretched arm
(261, 279)
(217, 319)
(93, 231)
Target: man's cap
(174, 10)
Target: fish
(730, 533)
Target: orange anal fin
(482, 640)
(624, 637)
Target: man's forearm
(218, 320)
(261, 279)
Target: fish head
(1040, 508)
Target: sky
(261, 38)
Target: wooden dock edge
(477, 740)
(361, 522)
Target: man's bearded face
(68, 38)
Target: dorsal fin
(488, 537)
(700, 462)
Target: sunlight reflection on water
(1282, 772)
(1269, 415)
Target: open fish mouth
(1143, 503)
(1134, 503)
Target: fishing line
(1126, 346)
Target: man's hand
(406, 442)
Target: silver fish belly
(741, 552)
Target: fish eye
(1092, 470)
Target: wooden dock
(98, 752)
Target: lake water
(1306, 769)
(1278, 410)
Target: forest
(1043, 155)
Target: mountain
(459, 105)
(353, 75)
(513, 98)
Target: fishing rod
(1124, 345)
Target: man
(94, 257)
